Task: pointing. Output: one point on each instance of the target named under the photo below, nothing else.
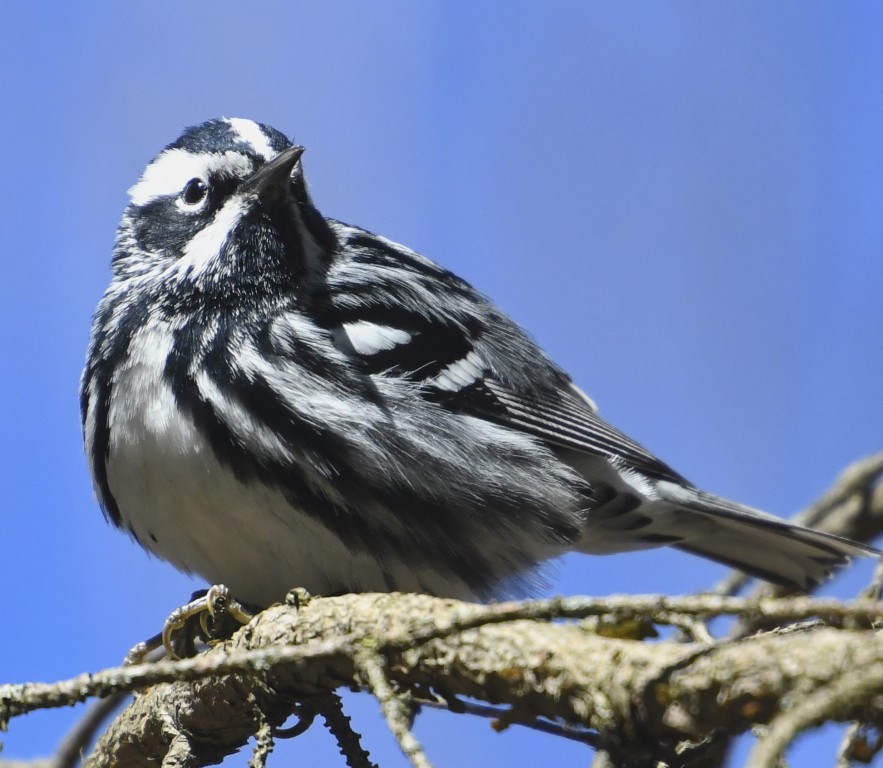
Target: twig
(18, 699)
(862, 743)
(856, 480)
(732, 584)
(505, 716)
(263, 747)
(850, 739)
(371, 664)
(306, 713)
(855, 736)
(849, 690)
(854, 487)
(874, 590)
(75, 744)
(338, 723)
(853, 508)
(692, 629)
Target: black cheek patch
(161, 227)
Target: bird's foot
(211, 615)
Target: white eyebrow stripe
(249, 132)
(368, 338)
(173, 168)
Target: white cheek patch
(205, 246)
(167, 175)
(368, 338)
(249, 132)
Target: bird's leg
(223, 614)
(211, 615)
(216, 614)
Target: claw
(212, 608)
(142, 650)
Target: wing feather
(464, 353)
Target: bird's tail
(752, 541)
(643, 512)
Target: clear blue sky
(682, 201)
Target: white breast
(188, 509)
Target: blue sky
(681, 201)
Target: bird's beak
(274, 175)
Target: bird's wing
(463, 353)
(561, 421)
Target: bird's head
(221, 210)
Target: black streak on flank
(110, 347)
(330, 450)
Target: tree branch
(573, 666)
(641, 698)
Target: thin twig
(850, 739)
(693, 629)
(21, 698)
(874, 590)
(71, 751)
(857, 481)
(264, 744)
(306, 714)
(862, 743)
(348, 740)
(855, 734)
(852, 507)
(850, 690)
(732, 584)
(505, 716)
(371, 664)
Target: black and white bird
(273, 399)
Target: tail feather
(630, 510)
(755, 542)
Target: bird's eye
(194, 193)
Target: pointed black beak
(275, 175)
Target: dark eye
(194, 192)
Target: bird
(273, 398)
